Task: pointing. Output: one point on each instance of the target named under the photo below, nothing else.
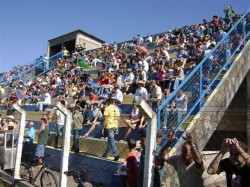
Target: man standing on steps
(43, 135)
(77, 127)
(111, 123)
(60, 122)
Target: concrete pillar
(248, 109)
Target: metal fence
(197, 85)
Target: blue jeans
(111, 142)
(59, 130)
(76, 135)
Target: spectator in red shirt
(92, 96)
(132, 164)
(103, 80)
(214, 23)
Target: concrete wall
(206, 121)
(90, 43)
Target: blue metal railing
(39, 66)
(204, 77)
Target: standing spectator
(77, 127)
(132, 164)
(140, 175)
(229, 11)
(30, 134)
(43, 135)
(111, 123)
(188, 165)
(65, 53)
(179, 105)
(156, 95)
(237, 164)
(60, 123)
(158, 171)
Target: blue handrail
(199, 67)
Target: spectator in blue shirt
(90, 82)
(30, 134)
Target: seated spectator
(128, 79)
(236, 167)
(30, 134)
(94, 118)
(148, 40)
(141, 92)
(136, 120)
(178, 75)
(182, 55)
(106, 95)
(117, 95)
(45, 100)
(92, 96)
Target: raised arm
(214, 165)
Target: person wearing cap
(77, 127)
(141, 92)
(111, 123)
(30, 134)
(43, 135)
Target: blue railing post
(200, 85)
(159, 118)
(227, 49)
(244, 32)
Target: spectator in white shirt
(118, 96)
(156, 95)
(149, 39)
(141, 92)
(129, 79)
(140, 40)
(46, 99)
(60, 122)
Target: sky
(27, 25)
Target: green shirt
(78, 120)
(43, 136)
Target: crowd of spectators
(148, 68)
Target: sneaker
(104, 156)
(116, 158)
